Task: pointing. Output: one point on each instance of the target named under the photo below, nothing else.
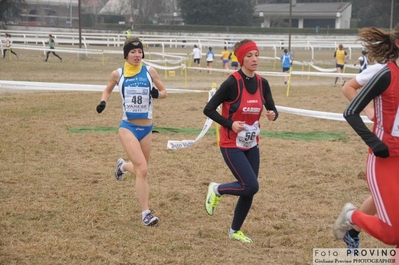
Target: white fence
(276, 43)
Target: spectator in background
(340, 55)
(128, 33)
(209, 59)
(363, 60)
(225, 58)
(286, 60)
(234, 61)
(197, 55)
(8, 42)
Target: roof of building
(270, 10)
(302, 8)
(52, 2)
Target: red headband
(244, 49)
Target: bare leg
(139, 154)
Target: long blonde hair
(380, 43)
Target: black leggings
(56, 55)
(244, 164)
(5, 51)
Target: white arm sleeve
(368, 73)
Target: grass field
(60, 203)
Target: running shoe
(342, 224)
(351, 242)
(239, 236)
(212, 200)
(150, 220)
(118, 171)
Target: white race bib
(247, 137)
(136, 100)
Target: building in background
(335, 15)
(52, 13)
(64, 13)
(57, 13)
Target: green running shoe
(239, 236)
(212, 200)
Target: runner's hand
(101, 106)
(155, 93)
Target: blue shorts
(234, 64)
(138, 131)
(286, 69)
(226, 61)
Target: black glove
(380, 149)
(155, 93)
(101, 106)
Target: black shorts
(197, 60)
(339, 66)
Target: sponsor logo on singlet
(251, 110)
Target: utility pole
(391, 24)
(80, 24)
(70, 13)
(290, 22)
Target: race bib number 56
(247, 137)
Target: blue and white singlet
(135, 94)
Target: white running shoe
(118, 170)
(342, 224)
(149, 219)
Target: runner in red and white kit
(383, 158)
(349, 90)
(243, 95)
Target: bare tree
(120, 7)
(142, 11)
(148, 8)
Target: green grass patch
(298, 136)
